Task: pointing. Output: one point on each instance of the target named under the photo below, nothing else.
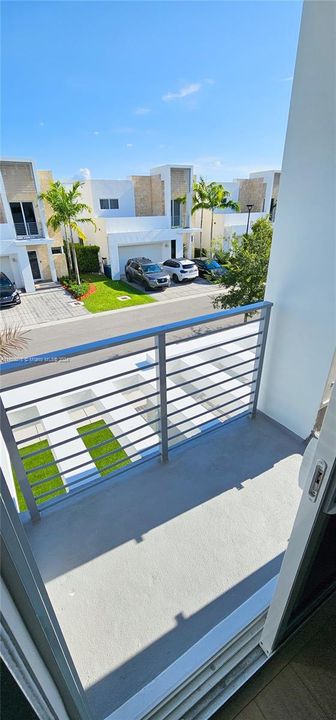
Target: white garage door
(153, 251)
(5, 266)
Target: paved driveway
(43, 306)
(182, 290)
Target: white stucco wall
(122, 190)
(302, 272)
(268, 178)
(225, 225)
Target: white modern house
(141, 216)
(257, 196)
(26, 249)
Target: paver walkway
(43, 306)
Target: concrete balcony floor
(141, 568)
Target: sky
(110, 89)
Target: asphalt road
(63, 335)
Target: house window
(24, 218)
(176, 213)
(109, 203)
(57, 250)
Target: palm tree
(12, 339)
(66, 211)
(209, 196)
(215, 196)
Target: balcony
(26, 230)
(142, 558)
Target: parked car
(9, 295)
(181, 269)
(210, 267)
(148, 273)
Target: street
(63, 335)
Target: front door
(173, 248)
(34, 264)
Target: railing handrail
(35, 360)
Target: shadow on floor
(148, 496)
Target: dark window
(24, 218)
(176, 213)
(109, 203)
(57, 250)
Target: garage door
(153, 251)
(6, 267)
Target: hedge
(87, 258)
(76, 290)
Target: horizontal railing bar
(216, 372)
(103, 478)
(209, 362)
(88, 417)
(89, 432)
(209, 429)
(94, 473)
(88, 462)
(207, 422)
(23, 363)
(208, 412)
(82, 402)
(201, 402)
(67, 372)
(215, 332)
(212, 347)
(211, 386)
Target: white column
(24, 265)
(301, 278)
(53, 272)
(113, 249)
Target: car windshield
(213, 265)
(151, 268)
(4, 281)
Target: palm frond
(11, 340)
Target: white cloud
(142, 110)
(129, 145)
(96, 132)
(209, 81)
(85, 173)
(287, 79)
(183, 92)
(41, 123)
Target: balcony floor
(140, 569)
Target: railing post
(17, 464)
(266, 318)
(162, 382)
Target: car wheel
(175, 278)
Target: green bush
(76, 290)
(197, 253)
(87, 258)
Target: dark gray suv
(147, 273)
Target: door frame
(301, 548)
(38, 265)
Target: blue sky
(118, 87)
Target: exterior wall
(20, 186)
(149, 195)
(301, 278)
(272, 179)
(122, 190)
(252, 191)
(146, 239)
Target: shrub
(87, 258)
(76, 290)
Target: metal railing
(27, 229)
(81, 427)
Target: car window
(4, 280)
(188, 266)
(151, 268)
(168, 263)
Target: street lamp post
(249, 208)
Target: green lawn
(33, 462)
(102, 434)
(106, 295)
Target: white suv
(180, 269)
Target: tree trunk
(67, 251)
(211, 232)
(201, 233)
(74, 257)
